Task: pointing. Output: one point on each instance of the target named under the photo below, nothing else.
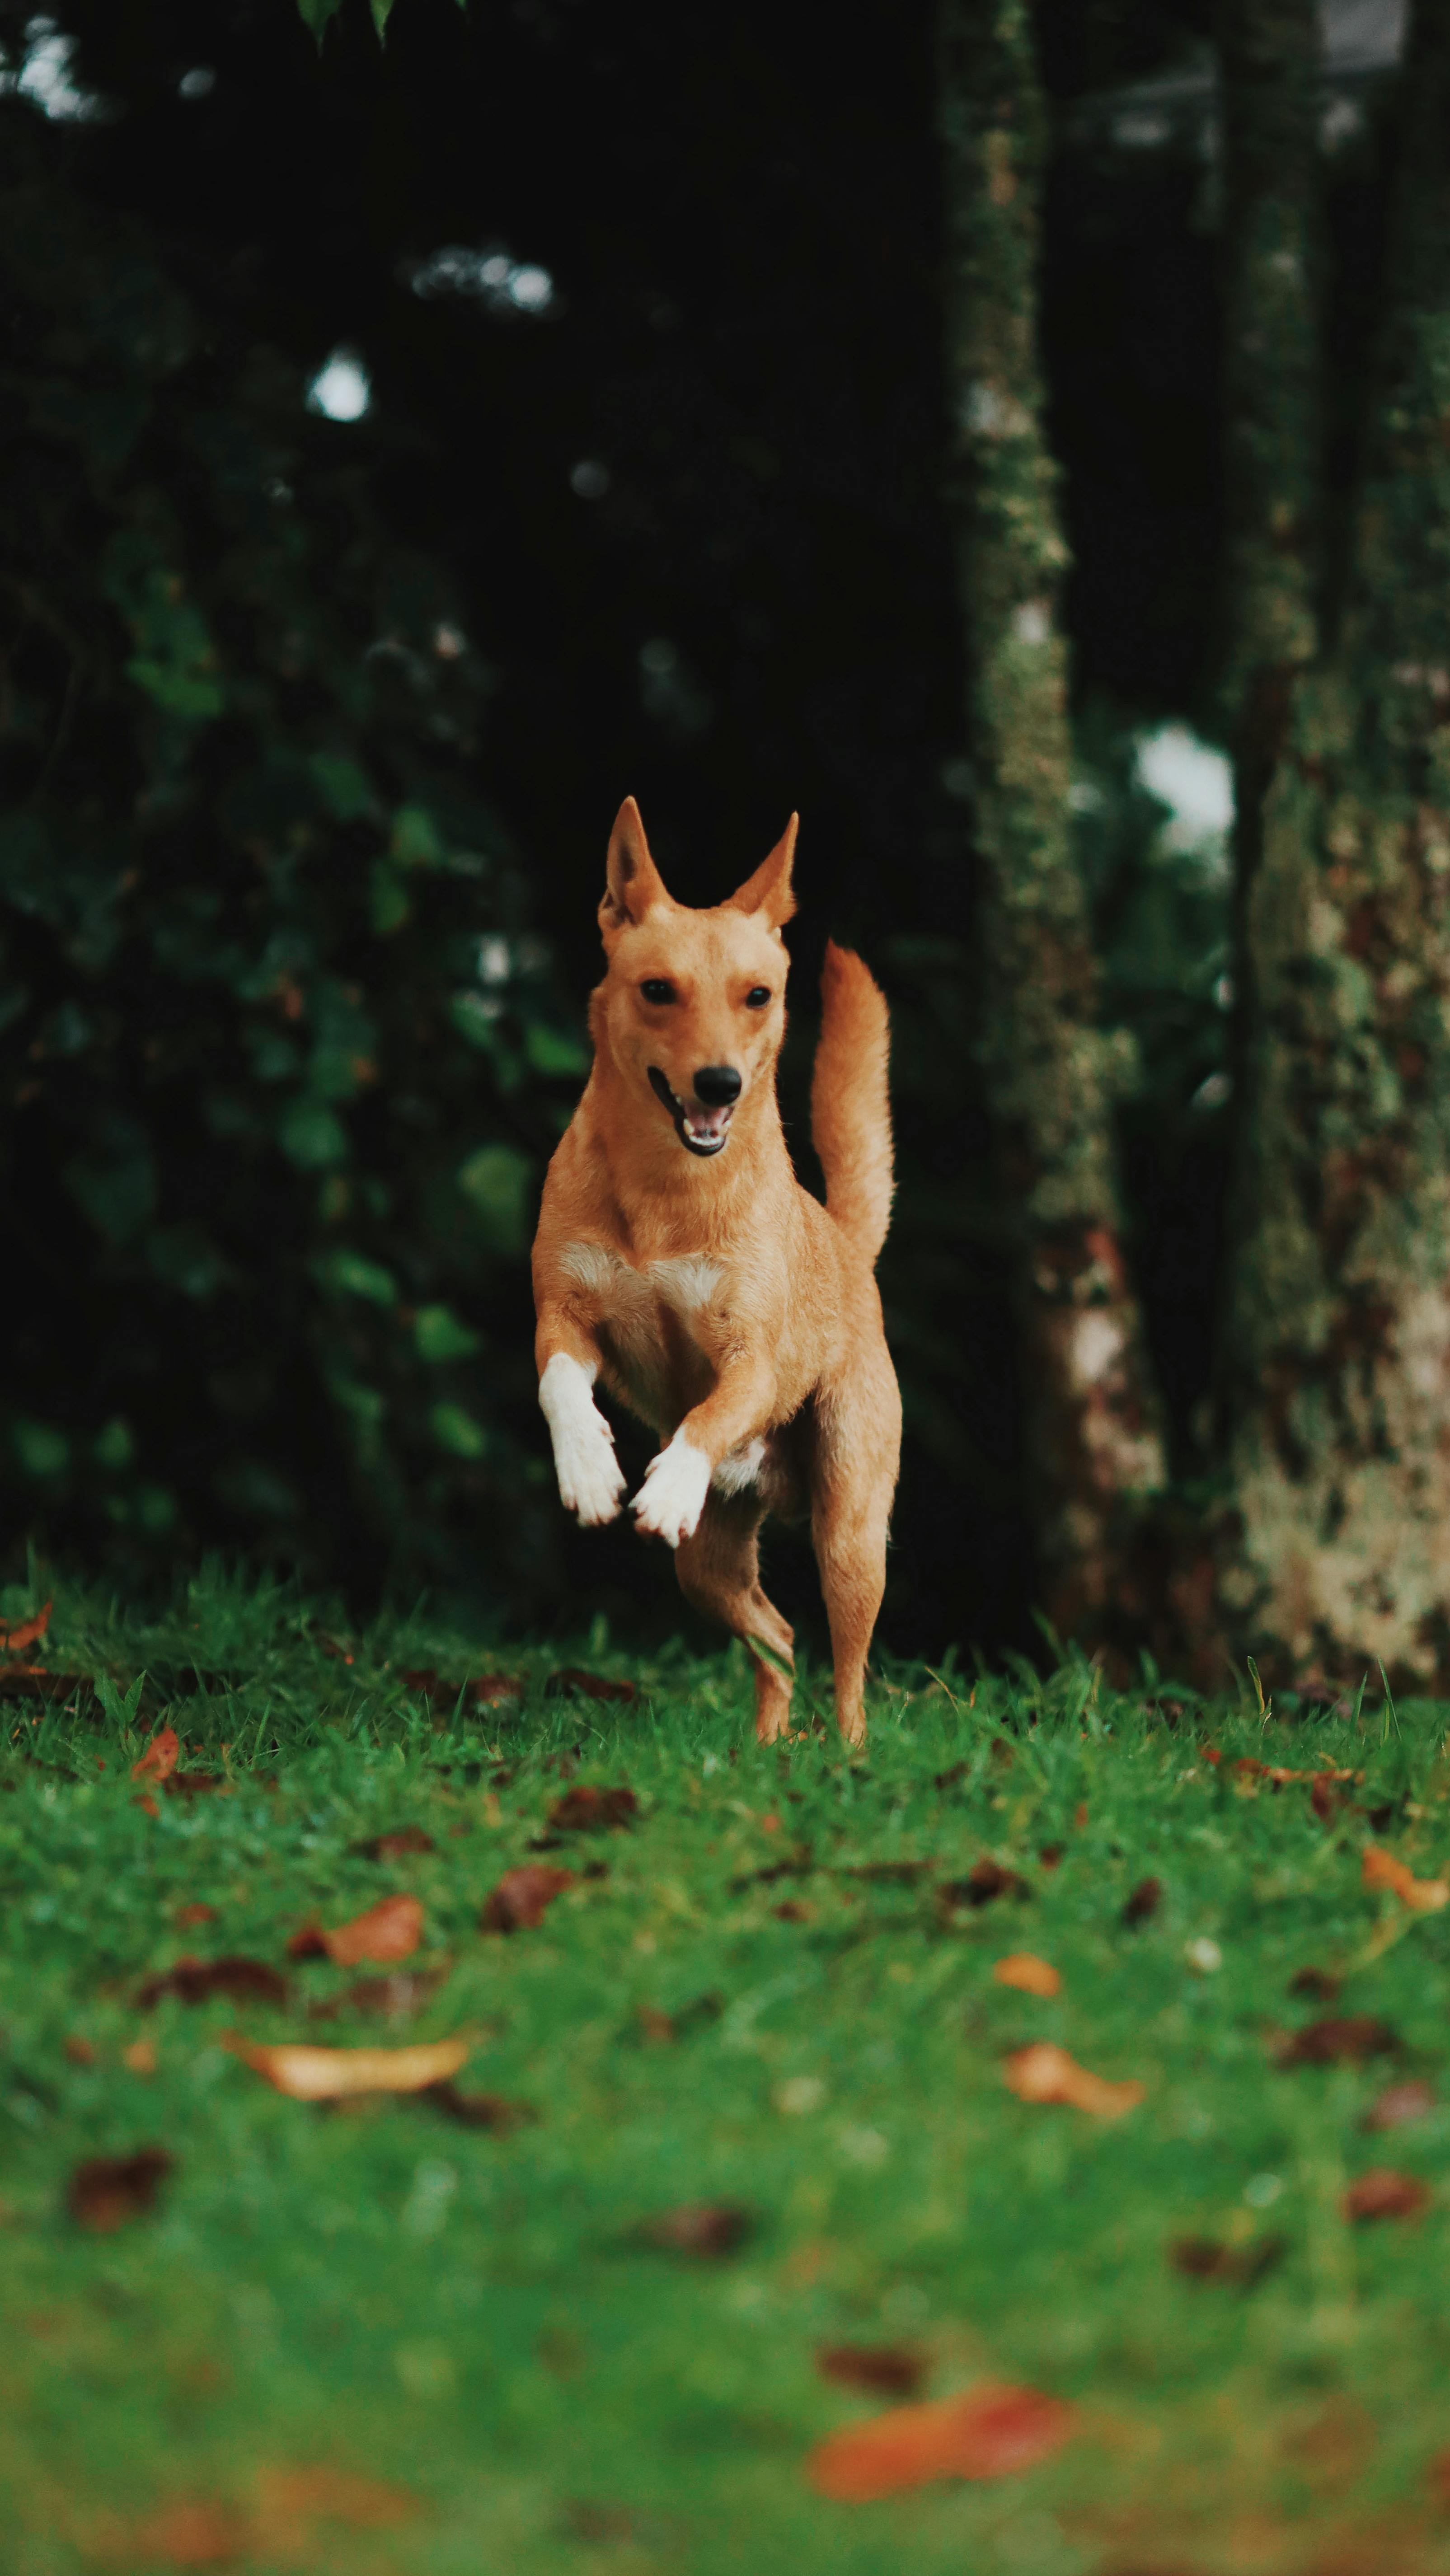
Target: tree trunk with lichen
(1092, 1433)
(1336, 1379)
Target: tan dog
(679, 1260)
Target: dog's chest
(659, 1324)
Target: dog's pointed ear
(632, 882)
(768, 892)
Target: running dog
(679, 1261)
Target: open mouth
(700, 1131)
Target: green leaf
(388, 904)
(498, 1182)
(351, 1274)
(316, 13)
(442, 1335)
(344, 788)
(114, 1447)
(416, 842)
(310, 1136)
(455, 1430)
(114, 1181)
(382, 11)
(554, 1051)
(41, 1450)
(476, 1018)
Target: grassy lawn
(379, 2336)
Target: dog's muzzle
(705, 1132)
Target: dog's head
(692, 1007)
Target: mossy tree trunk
(1092, 1431)
(1336, 1377)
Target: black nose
(715, 1084)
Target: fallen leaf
(706, 2228)
(1210, 1753)
(187, 1915)
(523, 1897)
(947, 1779)
(1203, 2258)
(147, 1804)
(570, 1681)
(484, 1689)
(594, 1811)
(199, 1784)
(1032, 1976)
(654, 2025)
(984, 1882)
(393, 1846)
(391, 1929)
(1383, 2193)
(1051, 1855)
(1398, 2105)
(81, 2052)
(1322, 1983)
(26, 1632)
(794, 1910)
(195, 1981)
(193, 2531)
(336, 2074)
(107, 2191)
(1380, 1869)
(1351, 2035)
(140, 2056)
(1144, 1902)
(990, 2432)
(1044, 2073)
(482, 2110)
(287, 2497)
(1326, 1796)
(886, 2369)
(160, 1757)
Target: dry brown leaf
(523, 1897)
(482, 2110)
(1383, 2193)
(885, 2369)
(287, 2497)
(571, 1680)
(1203, 2258)
(140, 2056)
(984, 1882)
(1030, 1975)
(192, 2531)
(989, 2432)
(393, 1846)
(394, 1997)
(187, 1916)
(107, 2191)
(26, 1632)
(1044, 2073)
(1380, 1869)
(81, 2052)
(160, 1757)
(1398, 2105)
(195, 1981)
(796, 1909)
(594, 1811)
(311, 2074)
(1322, 1983)
(1354, 2036)
(706, 2228)
(390, 1930)
(1143, 1903)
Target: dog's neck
(667, 1196)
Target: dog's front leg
(591, 1480)
(739, 1408)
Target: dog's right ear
(633, 884)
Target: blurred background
(408, 449)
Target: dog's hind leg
(853, 1481)
(719, 1571)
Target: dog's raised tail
(850, 1105)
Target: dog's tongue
(708, 1122)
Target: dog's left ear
(769, 891)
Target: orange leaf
(1032, 1976)
(990, 2432)
(1383, 2193)
(287, 2498)
(13, 1641)
(523, 1896)
(1422, 1895)
(1043, 2073)
(160, 1757)
(390, 1930)
(193, 2531)
(333, 2074)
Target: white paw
(591, 1480)
(672, 1497)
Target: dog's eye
(756, 1000)
(655, 989)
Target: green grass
(476, 2319)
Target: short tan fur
(680, 1264)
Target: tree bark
(1092, 1432)
(1337, 1361)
